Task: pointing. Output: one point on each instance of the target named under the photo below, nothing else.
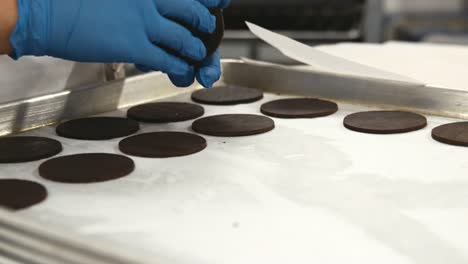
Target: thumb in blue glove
(210, 71)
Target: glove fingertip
(208, 76)
(183, 80)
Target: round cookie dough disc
(165, 112)
(98, 128)
(452, 134)
(86, 168)
(299, 108)
(20, 194)
(213, 40)
(384, 122)
(234, 125)
(162, 144)
(24, 149)
(227, 95)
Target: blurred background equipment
(427, 20)
(297, 15)
(331, 21)
(309, 21)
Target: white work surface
(309, 191)
(439, 65)
(442, 66)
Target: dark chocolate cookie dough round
(19, 194)
(98, 128)
(227, 95)
(86, 168)
(165, 112)
(24, 149)
(453, 134)
(299, 108)
(233, 125)
(385, 122)
(213, 41)
(162, 144)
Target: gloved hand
(115, 31)
(209, 71)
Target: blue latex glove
(115, 31)
(209, 71)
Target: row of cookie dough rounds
(100, 167)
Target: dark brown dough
(299, 108)
(162, 144)
(211, 41)
(227, 95)
(19, 194)
(24, 149)
(86, 168)
(98, 128)
(233, 125)
(165, 112)
(452, 134)
(385, 122)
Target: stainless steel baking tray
(45, 110)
